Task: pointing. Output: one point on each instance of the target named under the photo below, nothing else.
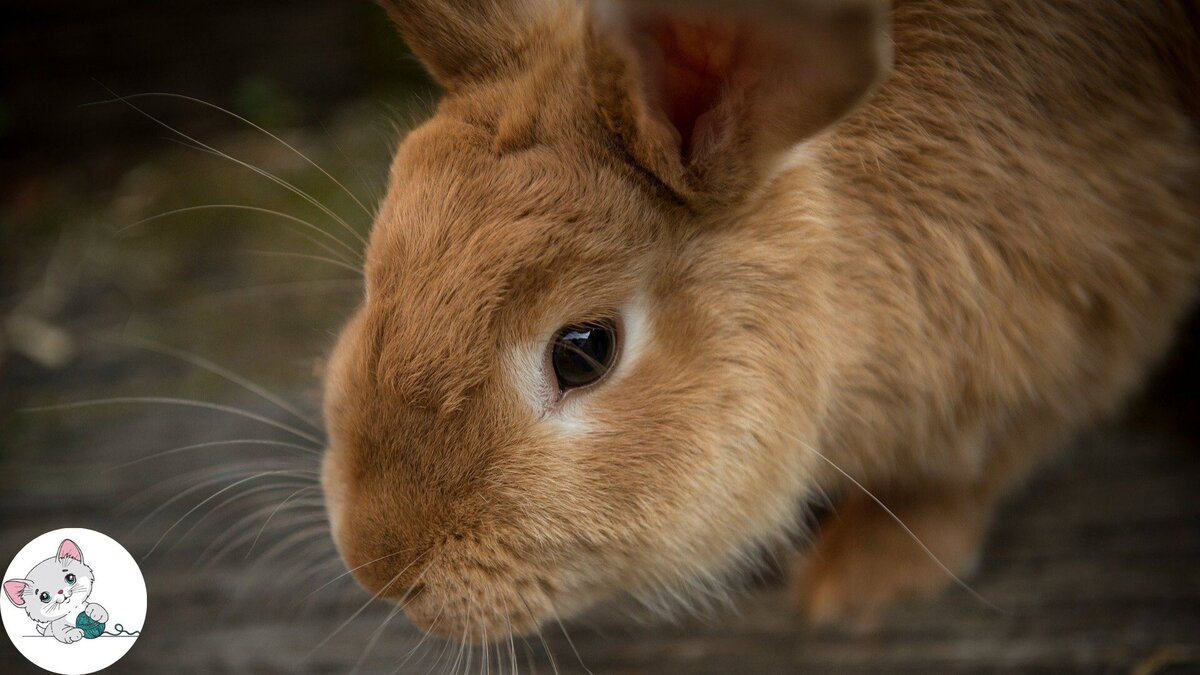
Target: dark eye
(44, 597)
(582, 354)
(70, 578)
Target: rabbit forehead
(470, 247)
(449, 183)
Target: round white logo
(74, 601)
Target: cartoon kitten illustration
(55, 594)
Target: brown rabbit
(658, 272)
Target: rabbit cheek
(332, 487)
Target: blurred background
(184, 190)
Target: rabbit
(655, 275)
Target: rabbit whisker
(355, 569)
(372, 191)
(214, 106)
(374, 638)
(246, 293)
(180, 402)
(408, 596)
(892, 514)
(302, 256)
(264, 474)
(239, 532)
(541, 636)
(221, 474)
(237, 496)
(353, 254)
(570, 642)
(211, 444)
(436, 619)
(461, 643)
(262, 172)
(512, 649)
(360, 610)
(267, 522)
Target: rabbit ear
(473, 40)
(708, 94)
(15, 590)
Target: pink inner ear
(698, 61)
(13, 589)
(69, 549)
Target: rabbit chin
(462, 598)
(482, 584)
(460, 587)
(474, 593)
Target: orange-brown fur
(932, 293)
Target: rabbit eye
(581, 354)
(44, 597)
(70, 578)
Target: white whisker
(220, 474)
(355, 569)
(240, 532)
(409, 595)
(250, 492)
(273, 513)
(221, 372)
(182, 402)
(891, 514)
(570, 642)
(255, 126)
(433, 624)
(545, 645)
(303, 256)
(354, 254)
(360, 610)
(372, 191)
(512, 649)
(266, 174)
(375, 635)
(216, 494)
(211, 444)
(245, 293)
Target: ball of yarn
(90, 627)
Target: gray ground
(1096, 563)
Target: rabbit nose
(60, 591)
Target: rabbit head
(592, 330)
